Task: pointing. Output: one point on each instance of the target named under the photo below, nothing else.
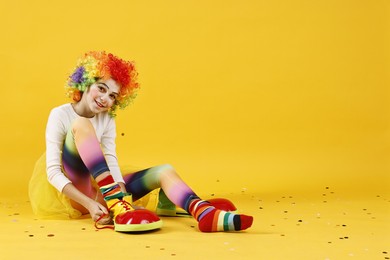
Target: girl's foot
(212, 220)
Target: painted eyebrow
(108, 88)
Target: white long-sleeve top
(58, 124)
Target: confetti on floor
(346, 226)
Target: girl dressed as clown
(79, 172)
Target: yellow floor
(327, 224)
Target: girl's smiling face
(102, 95)
(99, 97)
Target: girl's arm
(56, 130)
(94, 208)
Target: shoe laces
(126, 205)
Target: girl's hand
(96, 210)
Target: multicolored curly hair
(97, 65)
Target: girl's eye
(102, 89)
(112, 97)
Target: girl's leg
(210, 219)
(83, 154)
(82, 157)
(163, 176)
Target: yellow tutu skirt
(47, 202)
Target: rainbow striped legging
(83, 157)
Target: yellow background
(258, 96)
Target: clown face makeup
(99, 97)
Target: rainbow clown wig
(96, 65)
